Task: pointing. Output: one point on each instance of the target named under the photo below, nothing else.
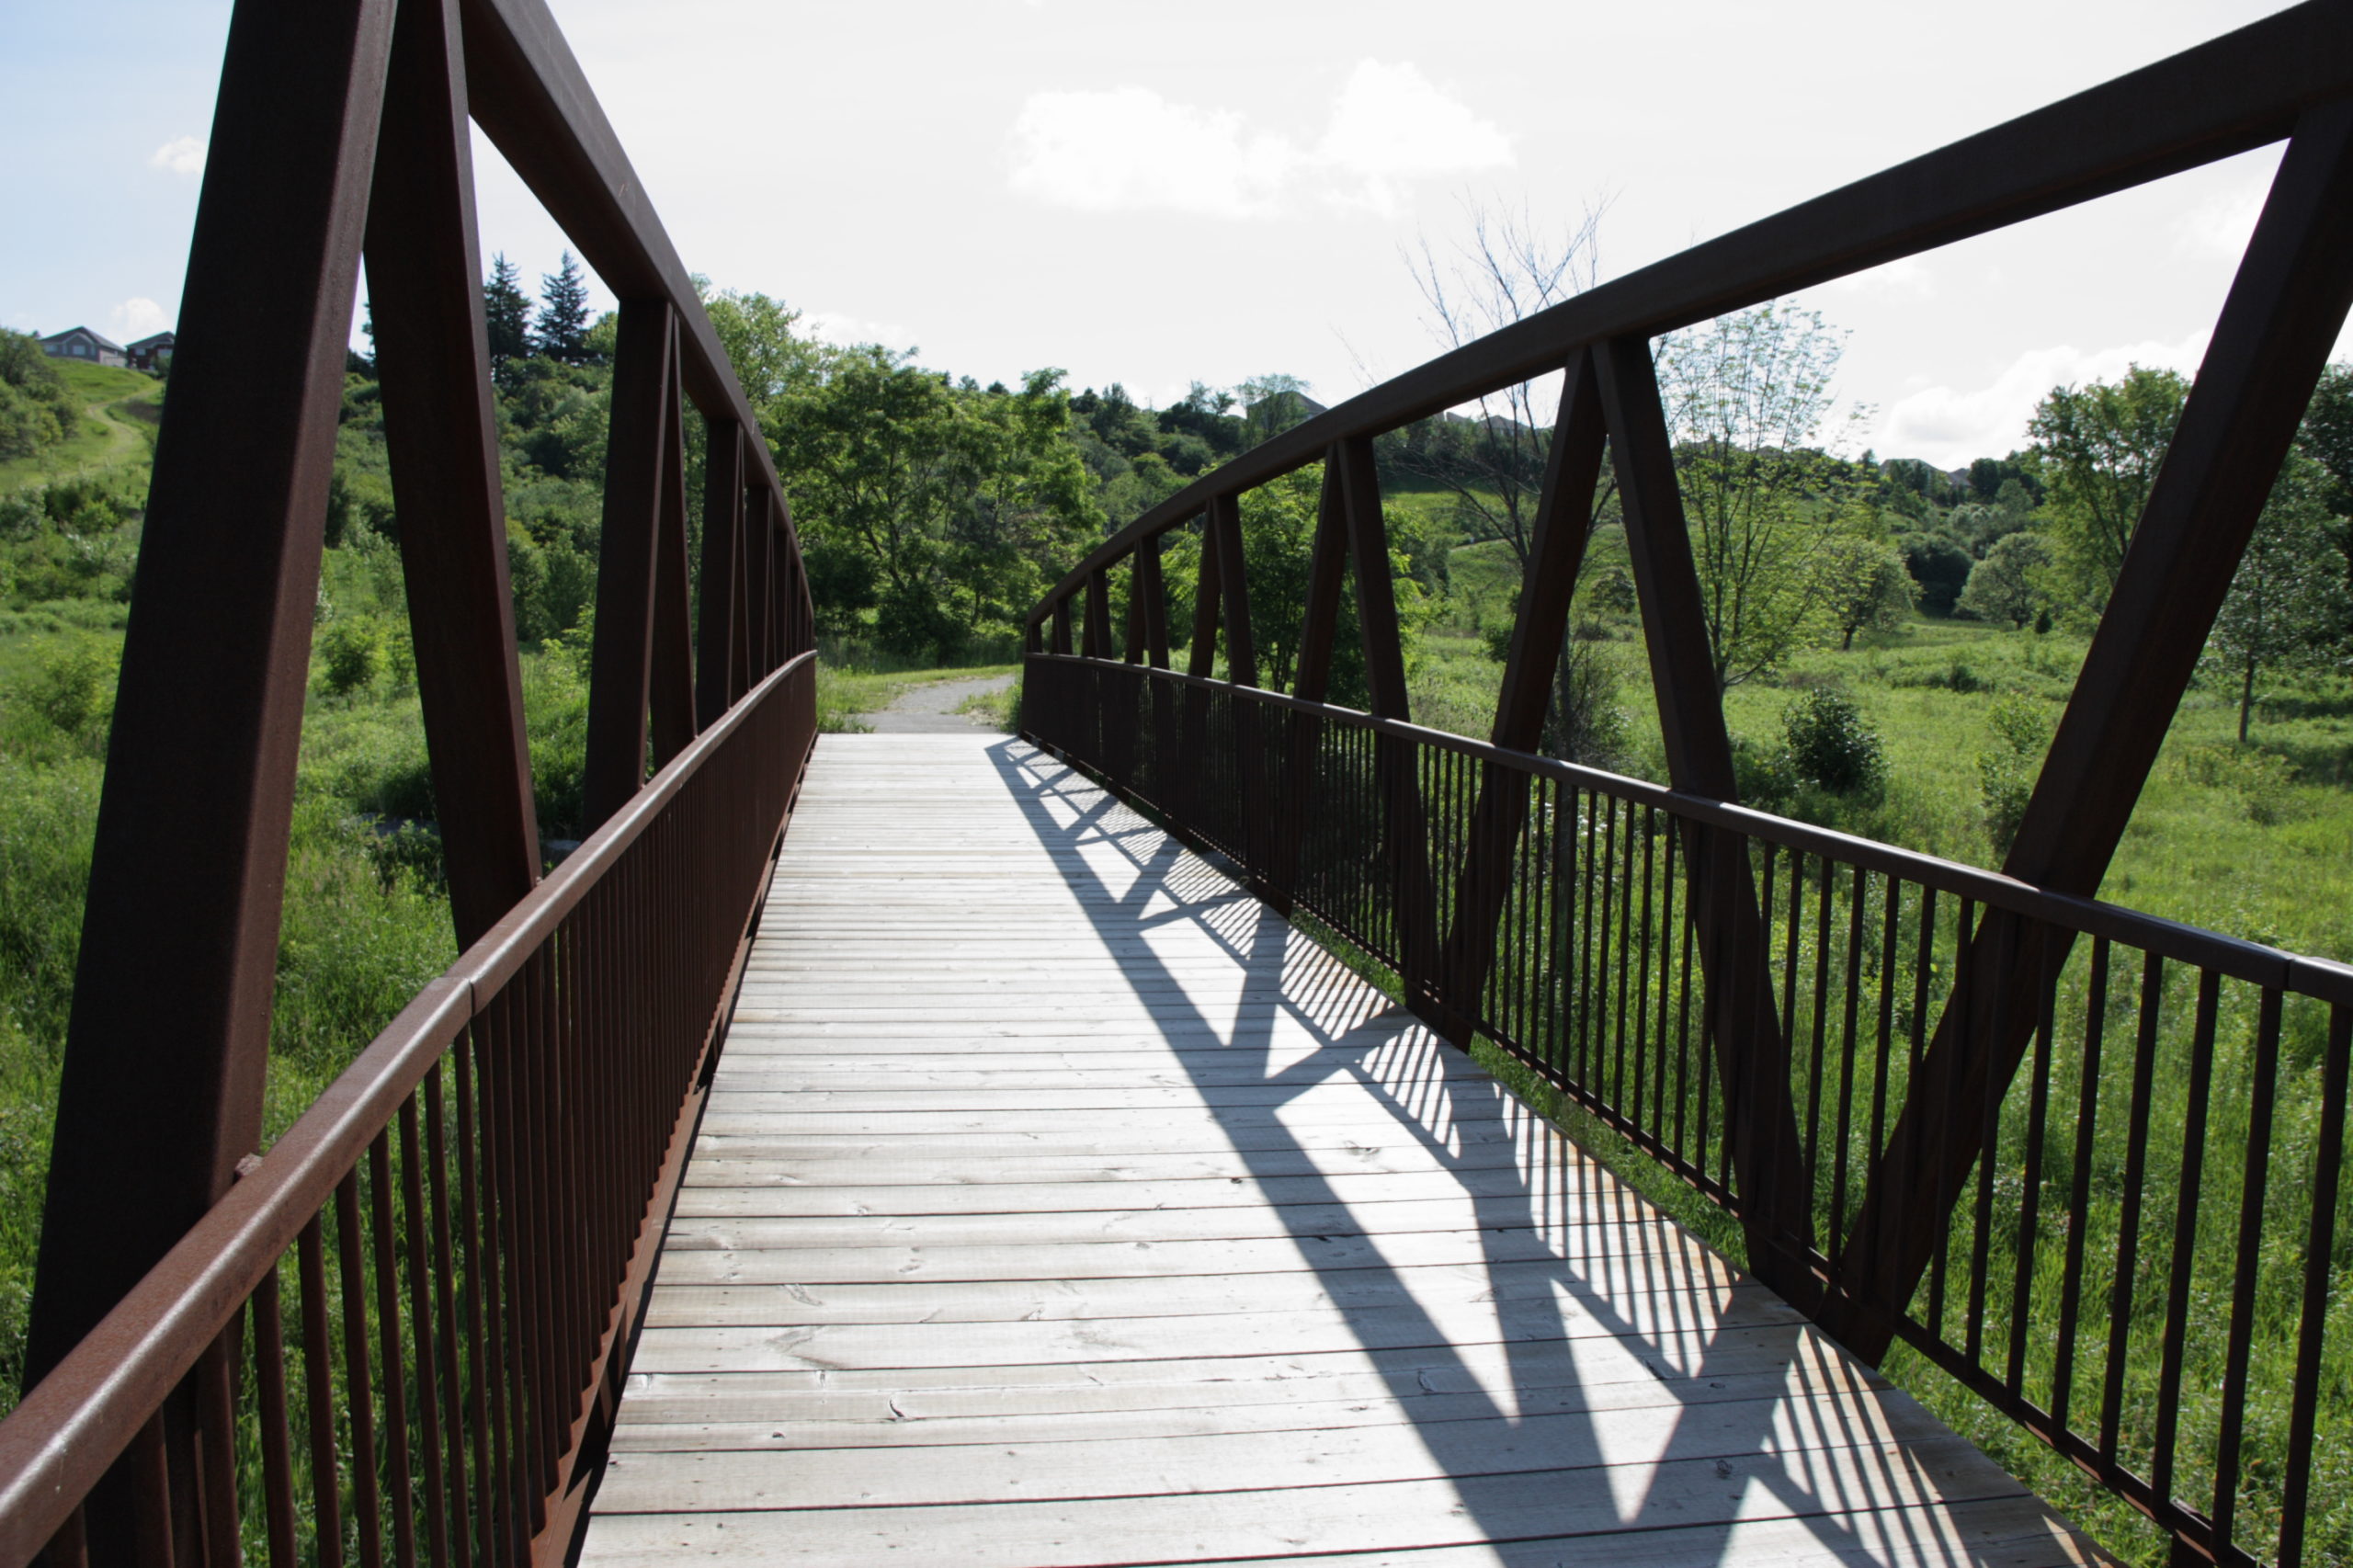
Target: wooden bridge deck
(1056, 1203)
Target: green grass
(119, 413)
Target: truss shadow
(1573, 1362)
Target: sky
(1155, 195)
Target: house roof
(151, 341)
(101, 339)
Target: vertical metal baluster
(1693, 1155)
(151, 1488)
(2071, 1279)
(388, 1330)
(1923, 981)
(2320, 1258)
(1989, 1138)
(2185, 1235)
(2263, 1090)
(318, 1388)
(1643, 1049)
(445, 1258)
(2128, 1233)
(1836, 1238)
(420, 1311)
(1625, 934)
(2053, 952)
(276, 1443)
(1826, 871)
(367, 1505)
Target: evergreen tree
(508, 312)
(562, 330)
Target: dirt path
(931, 709)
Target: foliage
(354, 654)
(2007, 771)
(506, 317)
(1830, 745)
(36, 411)
(1747, 396)
(1492, 461)
(2287, 604)
(2098, 448)
(562, 331)
(2007, 586)
(1863, 582)
(957, 500)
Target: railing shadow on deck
(1758, 1399)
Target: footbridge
(1216, 1124)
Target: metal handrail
(57, 1444)
(2322, 978)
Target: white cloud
(1132, 150)
(1948, 427)
(181, 155)
(2223, 223)
(849, 330)
(1904, 274)
(137, 317)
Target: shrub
(1830, 745)
(72, 688)
(354, 650)
(2005, 774)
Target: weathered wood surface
(1057, 1204)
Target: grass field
(119, 409)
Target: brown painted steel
(440, 430)
(622, 663)
(1564, 524)
(168, 1046)
(2284, 310)
(1752, 1049)
(672, 694)
(720, 625)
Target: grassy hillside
(118, 414)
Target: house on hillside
(81, 342)
(149, 353)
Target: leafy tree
(956, 497)
(1747, 396)
(2007, 586)
(1864, 583)
(1941, 567)
(1493, 459)
(770, 357)
(562, 331)
(36, 411)
(1273, 404)
(2326, 439)
(2287, 606)
(507, 313)
(2098, 448)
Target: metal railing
(2086, 1162)
(2164, 1190)
(400, 1334)
(405, 1325)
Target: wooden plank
(1359, 1517)
(1057, 1203)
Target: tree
(35, 409)
(957, 501)
(1747, 396)
(1272, 404)
(1863, 582)
(2287, 606)
(2098, 448)
(1493, 460)
(507, 313)
(2007, 586)
(561, 332)
(2326, 439)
